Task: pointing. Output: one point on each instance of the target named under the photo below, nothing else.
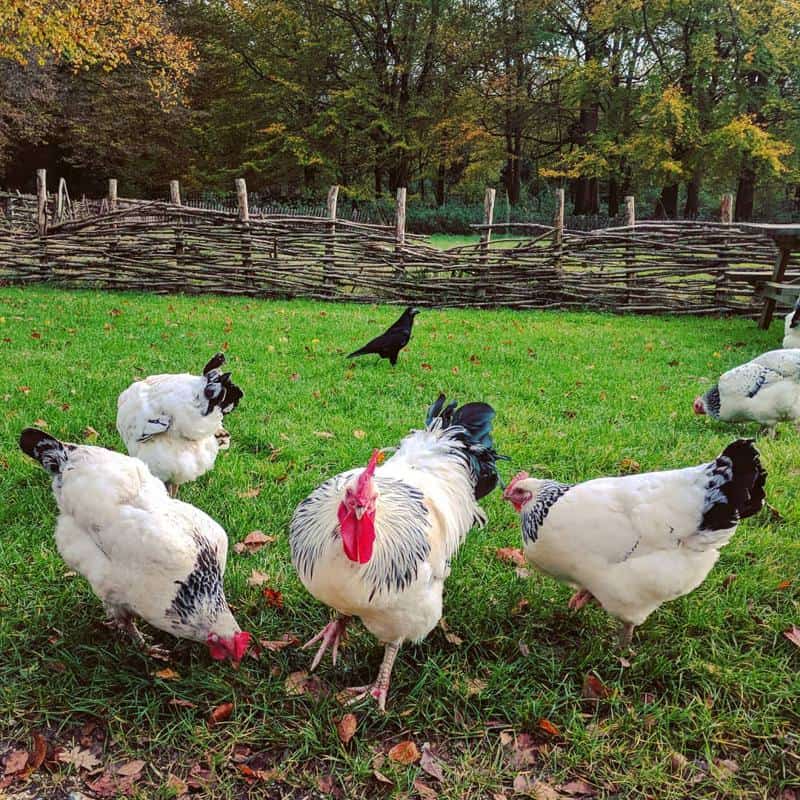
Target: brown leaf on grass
(254, 540)
(273, 597)
(131, 769)
(24, 389)
(628, 466)
(15, 762)
(90, 434)
(521, 605)
(430, 763)
(359, 434)
(728, 580)
(108, 785)
(548, 727)
(324, 434)
(36, 335)
(512, 555)
(248, 493)
(301, 682)
(265, 775)
(678, 762)
(426, 366)
(425, 791)
(579, 787)
(199, 776)
(474, 686)
(793, 635)
(522, 572)
(379, 776)
(594, 688)
(181, 703)
(78, 757)
(524, 649)
(176, 786)
(220, 714)
(295, 376)
(783, 585)
(724, 768)
(257, 578)
(167, 674)
(525, 784)
(346, 727)
(275, 645)
(405, 752)
(39, 752)
(524, 750)
(115, 312)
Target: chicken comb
(520, 476)
(374, 460)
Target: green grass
(442, 241)
(712, 676)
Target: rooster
(764, 390)
(635, 542)
(791, 327)
(376, 543)
(143, 553)
(392, 341)
(174, 422)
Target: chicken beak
(359, 511)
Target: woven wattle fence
(679, 267)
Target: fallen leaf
(115, 312)
(36, 335)
(176, 785)
(220, 714)
(513, 555)
(725, 767)
(524, 649)
(108, 785)
(474, 686)
(728, 580)
(324, 434)
(359, 434)
(24, 389)
(40, 423)
(424, 790)
(16, 761)
(254, 540)
(381, 777)
(36, 758)
(783, 585)
(405, 752)
(325, 783)
(578, 786)
(793, 635)
(594, 688)
(522, 572)
(521, 605)
(548, 727)
(167, 674)
(430, 763)
(78, 757)
(259, 774)
(628, 466)
(131, 769)
(426, 366)
(524, 750)
(301, 682)
(295, 376)
(90, 434)
(180, 702)
(346, 728)
(678, 762)
(273, 597)
(198, 776)
(257, 578)
(287, 640)
(624, 662)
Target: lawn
(707, 706)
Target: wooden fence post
(486, 237)
(726, 208)
(175, 193)
(41, 201)
(558, 228)
(630, 211)
(244, 220)
(330, 244)
(400, 229)
(112, 194)
(60, 202)
(175, 200)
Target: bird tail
(475, 422)
(221, 392)
(362, 351)
(47, 450)
(736, 488)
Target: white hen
(143, 553)
(635, 542)
(174, 422)
(376, 543)
(765, 390)
(791, 327)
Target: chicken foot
(380, 688)
(172, 488)
(122, 621)
(625, 635)
(580, 599)
(331, 636)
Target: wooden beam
(41, 201)
(630, 211)
(726, 209)
(241, 200)
(400, 218)
(112, 194)
(781, 261)
(558, 220)
(175, 193)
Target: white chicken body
(143, 553)
(425, 509)
(791, 328)
(638, 541)
(163, 421)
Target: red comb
(369, 471)
(520, 476)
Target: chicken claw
(580, 599)
(380, 689)
(331, 636)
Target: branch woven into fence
(682, 268)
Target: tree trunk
(745, 193)
(378, 181)
(667, 203)
(613, 197)
(440, 185)
(691, 209)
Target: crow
(390, 343)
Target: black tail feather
(741, 493)
(45, 449)
(476, 421)
(216, 362)
(795, 320)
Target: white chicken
(376, 543)
(174, 422)
(143, 553)
(791, 327)
(637, 541)
(765, 390)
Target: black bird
(390, 343)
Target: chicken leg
(172, 489)
(580, 599)
(625, 635)
(380, 688)
(120, 619)
(331, 636)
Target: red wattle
(358, 535)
